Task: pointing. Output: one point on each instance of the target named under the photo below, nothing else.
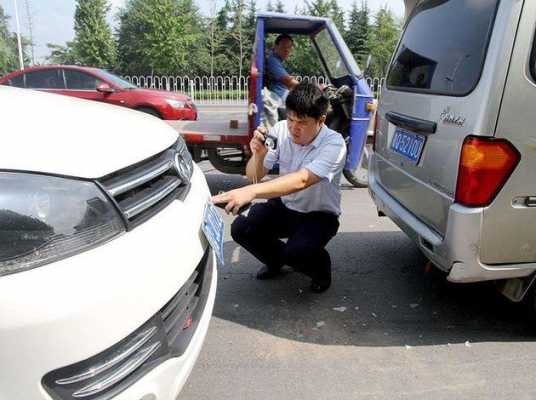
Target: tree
(222, 43)
(336, 13)
(29, 17)
(385, 35)
(358, 34)
(279, 7)
(270, 6)
(148, 43)
(61, 54)
(239, 38)
(8, 57)
(9, 53)
(93, 43)
(251, 20)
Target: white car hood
(56, 134)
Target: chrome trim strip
(155, 196)
(121, 373)
(140, 340)
(139, 178)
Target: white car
(107, 282)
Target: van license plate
(213, 226)
(408, 144)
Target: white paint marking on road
(339, 309)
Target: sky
(53, 20)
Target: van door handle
(413, 124)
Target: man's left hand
(235, 199)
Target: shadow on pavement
(381, 296)
(224, 182)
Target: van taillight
(375, 130)
(485, 166)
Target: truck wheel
(229, 161)
(359, 176)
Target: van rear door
(509, 224)
(445, 82)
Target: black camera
(270, 141)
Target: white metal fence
(231, 90)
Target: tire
(150, 111)
(229, 161)
(529, 307)
(359, 177)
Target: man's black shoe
(266, 273)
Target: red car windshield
(116, 80)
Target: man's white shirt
(325, 157)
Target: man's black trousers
(261, 231)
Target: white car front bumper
(75, 309)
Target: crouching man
(304, 201)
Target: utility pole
(21, 59)
(30, 29)
(212, 27)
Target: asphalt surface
(389, 327)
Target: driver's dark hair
(282, 37)
(307, 100)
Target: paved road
(387, 329)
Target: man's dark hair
(307, 100)
(282, 37)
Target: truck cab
(226, 143)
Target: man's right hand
(257, 143)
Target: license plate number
(213, 228)
(408, 144)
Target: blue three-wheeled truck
(352, 103)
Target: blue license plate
(213, 227)
(408, 144)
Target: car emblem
(449, 118)
(182, 168)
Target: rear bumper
(458, 252)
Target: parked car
(106, 283)
(454, 146)
(100, 85)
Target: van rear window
(443, 47)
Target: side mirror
(105, 88)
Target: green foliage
(239, 45)
(171, 37)
(358, 34)
(385, 35)
(9, 53)
(93, 44)
(279, 7)
(160, 37)
(61, 54)
(8, 57)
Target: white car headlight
(45, 218)
(175, 103)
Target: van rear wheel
(359, 176)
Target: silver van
(454, 162)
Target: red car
(100, 85)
